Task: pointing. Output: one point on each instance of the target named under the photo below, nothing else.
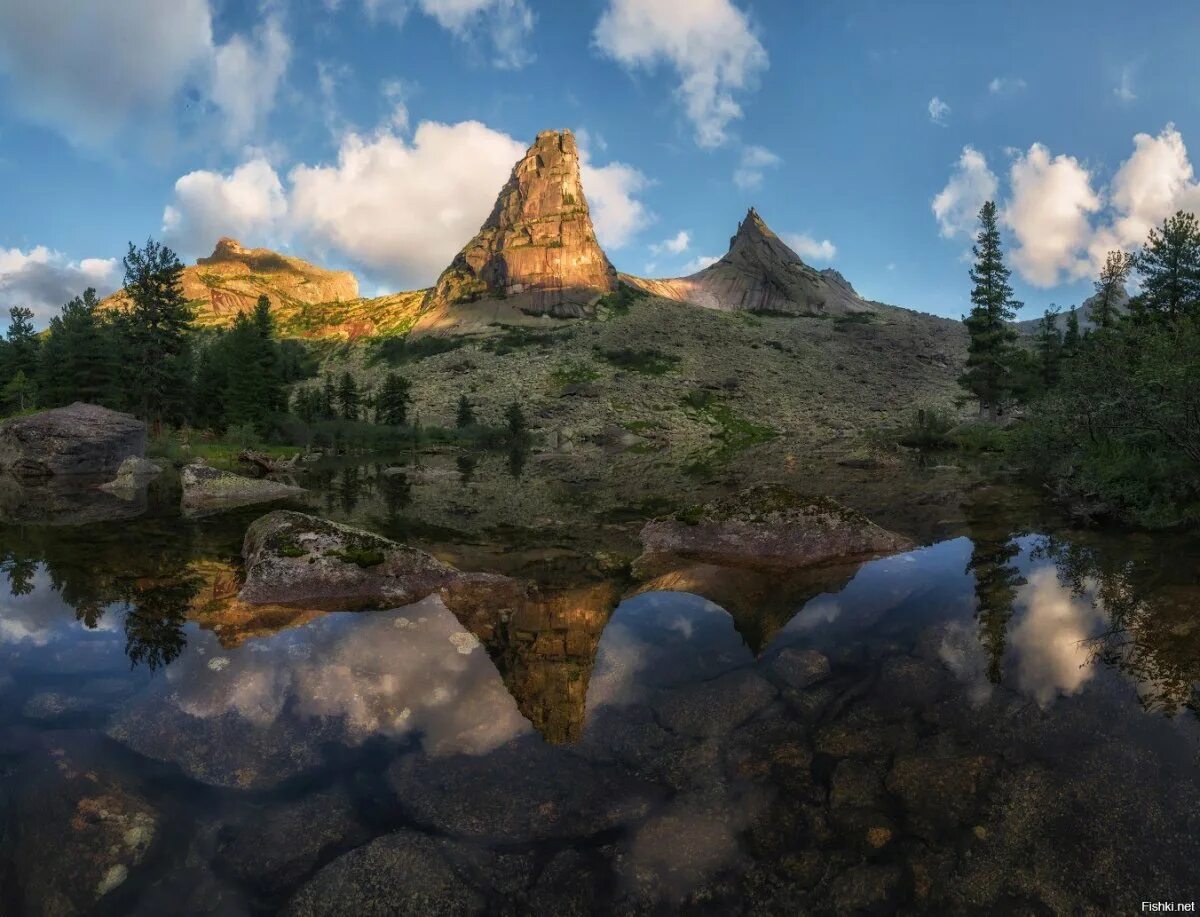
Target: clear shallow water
(998, 723)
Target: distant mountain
(760, 273)
(1083, 310)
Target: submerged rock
(65, 500)
(79, 439)
(296, 559)
(768, 526)
(208, 490)
(132, 477)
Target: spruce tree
(268, 357)
(159, 319)
(392, 403)
(1110, 289)
(20, 354)
(990, 351)
(1049, 348)
(348, 397)
(466, 413)
(1169, 268)
(78, 359)
(1071, 337)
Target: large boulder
(209, 490)
(296, 559)
(768, 527)
(82, 439)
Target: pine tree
(1110, 289)
(466, 413)
(348, 397)
(1049, 348)
(992, 337)
(159, 319)
(20, 353)
(78, 359)
(392, 404)
(1072, 337)
(18, 392)
(1169, 268)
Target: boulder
(296, 559)
(82, 439)
(768, 527)
(132, 476)
(208, 490)
(66, 500)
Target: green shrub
(650, 361)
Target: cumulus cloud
(676, 245)
(97, 71)
(43, 279)
(699, 263)
(617, 213)
(1006, 85)
(709, 43)
(248, 203)
(749, 172)
(970, 186)
(505, 24)
(1050, 639)
(809, 248)
(939, 111)
(1048, 212)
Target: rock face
(296, 559)
(230, 280)
(768, 527)
(538, 246)
(82, 439)
(760, 273)
(208, 490)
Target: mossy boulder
(301, 560)
(771, 527)
(209, 490)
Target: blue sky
(374, 134)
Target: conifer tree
(1110, 288)
(1049, 348)
(18, 392)
(466, 413)
(1169, 268)
(514, 417)
(1071, 337)
(348, 397)
(393, 400)
(20, 353)
(78, 359)
(990, 351)
(159, 319)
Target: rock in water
(208, 490)
(80, 439)
(131, 478)
(770, 527)
(760, 273)
(296, 559)
(538, 246)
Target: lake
(1003, 720)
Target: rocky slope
(1083, 310)
(760, 273)
(537, 251)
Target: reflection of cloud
(365, 672)
(963, 654)
(1052, 657)
(41, 617)
(824, 609)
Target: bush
(928, 428)
(650, 362)
(397, 351)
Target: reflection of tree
(154, 634)
(996, 581)
(396, 492)
(349, 483)
(1153, 633)
(466, 468)
(517, 456)
(20, 570)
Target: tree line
(1109, 416)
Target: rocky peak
(226, 249)
(538, 245)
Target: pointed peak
(226, 246)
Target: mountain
(1083, 310)
(537, 251)
(760, 273)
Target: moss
(290, 549)
(364, 557)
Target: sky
(373, 135)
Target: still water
(1003, 721)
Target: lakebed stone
(770, 527)
(295, 559)
(81, 439)
(209, 490)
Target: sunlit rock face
(760, 273)
(538, 246)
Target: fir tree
(391, 406)
(466, 413)
(20, 352)
(348, 397)
(992, 337)
(78, 359)
(159, 319)
(329, 398)
(1049, 348)
(1110, 289)
(1072, 337)
(1169, 267)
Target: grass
(734, 433)
(650, 361)
(573, 373)
(845, 322)
(621, 300)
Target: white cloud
(43, 280)
(506, 24)
(972, 184)
(99, 72)
(1123, 91)
(249, 203)
(676, 245)
(246, 78)
(939, 111)
(699, 263)
(1006, 85)
(749, 172)
(1050, 640)
(1052, 198)
(709, 43)
(612, 191)
(809, 248)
